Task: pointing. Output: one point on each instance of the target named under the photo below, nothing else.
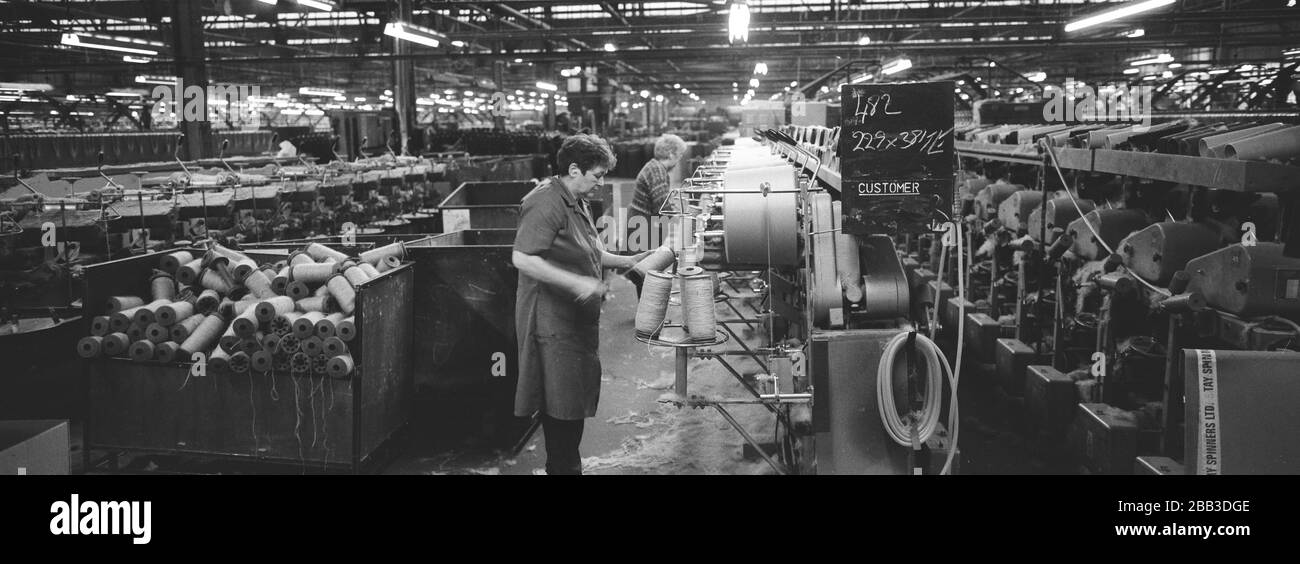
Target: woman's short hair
(586, 151)
(669, 146)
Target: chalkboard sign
(896, 156)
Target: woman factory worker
(652, 187)
(561, 286)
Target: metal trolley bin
(157, 407)
(466, 354)
(484, 205)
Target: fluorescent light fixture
(659, 97)
(676, 85)
(1132, 70)
(645, 93)
(1244, 68)
(517, 61)
(124, 94)
(1139, 32)
(359, 99)
(1175, 65)
(26, 86)
(1121, 12)
(1037, 77)
(130, 59)
(547, 86)
(759, 68)
(685, 91)
(610, 48)
(864, 40)
(468, 92)
(340, 98)
(322, 5)
(738, 21)
(753, 83)
(1218, 71)
(1167, 74)
(794, 83)
(862, 78)
(153, 79)
(93, 42)
(897, 65)
(457, 43)
(414, 33)
(1158, 59)
(312, 91)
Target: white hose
(936, 367)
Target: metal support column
(404, 81)
(187, 38)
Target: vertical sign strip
(1209, 447)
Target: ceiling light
(1132, 70)
(152, 79)
(864, 40)
(1115, 14)
(457, 43)
(323, 5)
(738, 21)
(753, 83)
(1158, 59)
(340, 98)
(312, 91)
(94, 42)
(1139, 32)
(645, 93)
(1175, 65)
(1218, 71)
(659, 98)
(759, 68)
(414, 33)
(610, 48)
(1037, 77)
(547, 86)
(897, 65)
(517, 61)
(862, 78)
(138, 60)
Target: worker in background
(652, 187)
(561, 264)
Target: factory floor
(632, 432)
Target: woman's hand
(637, 258)
(591, 289)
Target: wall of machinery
(1133, 290)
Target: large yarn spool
(208, 301)
(761, 229)
(698, 306)
(245, 325)
(369, 269)
(229, 340)
(653, 307)
(300, 363)
(243, 268)
(252, 344)
(99, 325)
(346, 329)
(660, 259)
(283, 324)
(290, 344)
(188, 273)
(1278, 144)
(162, 286)
(299, 257)
(135, 332)
(297, 290)
(312, 274)
(182, 330)
(261, 361)
(173, 313)
(219, 361)
(239, 362)
(141, 351)
(115, 344)
(280, 283)
(213, 280)
(305, 326)
(166, 351)
(1214, 145)
(340, 366)
(90, 347)
(120, 321)
(374, 256)
(172, 262)
(318, 364)
(344, 295)
(388, 263)
(271, 341)
(155, 333)
(267, 310)
(334, 346)
(238, 308)
(320, 304)
(259, 285)
(123, 303)
(355, 275)
(325, 327)
(313, 346)
(322, 290)
(145, 314)
(846, 259)
(319, 252)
